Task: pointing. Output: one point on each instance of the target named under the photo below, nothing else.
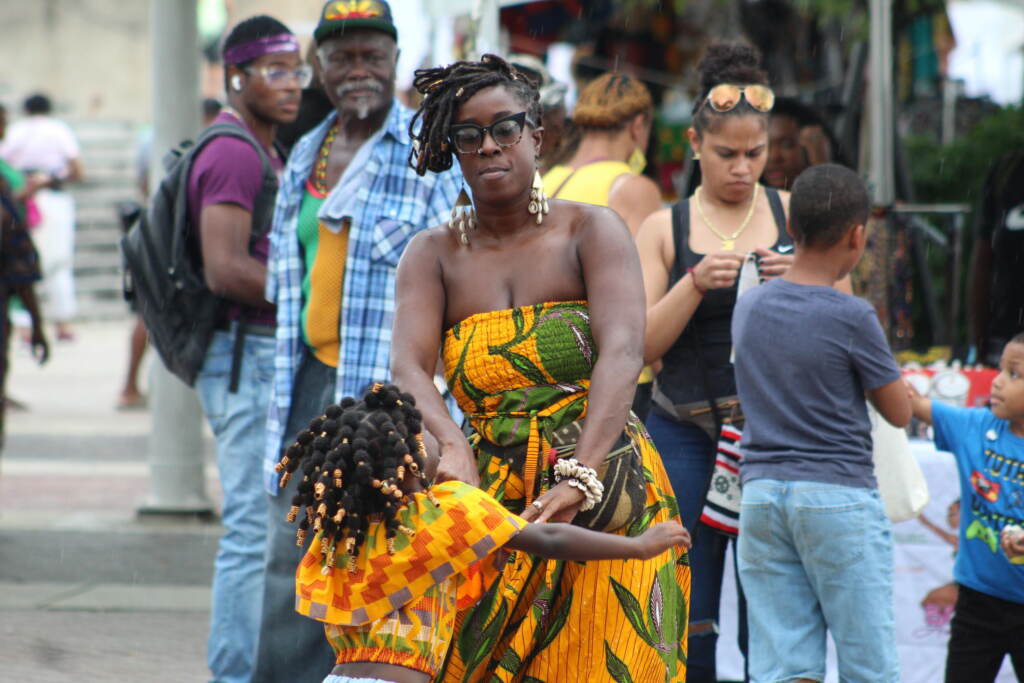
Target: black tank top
(681, 377)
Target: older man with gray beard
(347, 206)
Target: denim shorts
(817, 558)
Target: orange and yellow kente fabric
(400, 609)
(519, 374)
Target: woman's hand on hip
(560, 504)
(457, 464)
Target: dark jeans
(687, 453)
(292, 648)
(984, 630)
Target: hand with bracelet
(560, 503)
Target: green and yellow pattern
(519, 374)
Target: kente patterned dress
(400, 608)
(520, 375)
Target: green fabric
(15, 178)
(309, 239)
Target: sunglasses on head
(726, 96)
(468, 138)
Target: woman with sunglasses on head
(691, 256)
(535, 306)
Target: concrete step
(96, 260)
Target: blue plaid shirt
(396, 204)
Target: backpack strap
(260, 214)
(265, 202)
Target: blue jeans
(238, 420)
(687, 453)
(817, 557)
(292, 647)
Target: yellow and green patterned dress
(519, 375)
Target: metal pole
(957, 238)
(880, 108)
(488, 27)
(177, 483)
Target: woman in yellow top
(538, 310)
(613, 114)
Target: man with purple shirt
(230, 197)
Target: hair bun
(730, 63)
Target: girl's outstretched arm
(559, 541)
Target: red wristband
(693, 276)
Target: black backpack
(163, 275)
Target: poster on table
(923, 559)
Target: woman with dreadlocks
(393, 557)
(537, 309)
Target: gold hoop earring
(538, 200)
(463, 217)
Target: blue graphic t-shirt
(990, 460)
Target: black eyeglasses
(468, 138)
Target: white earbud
(236, 82)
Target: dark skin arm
(419, 321)
(27, 294)
(921, 406)
(568, 542)
(614, 284)
(230, 271)
(892, 403)
(40, 346)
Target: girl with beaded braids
(536, 307)
(393, 557)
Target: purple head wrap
(246, 52)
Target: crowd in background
(592, 341)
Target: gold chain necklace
(728, 242)
(319, 176)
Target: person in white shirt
(46, 150)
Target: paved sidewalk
(88, 590)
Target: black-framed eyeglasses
(468, 138)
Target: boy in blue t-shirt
(815, 545)
(988, 620)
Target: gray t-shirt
(805, 355)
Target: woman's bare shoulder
(584, 218)
(433, 240)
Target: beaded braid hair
(352, 458)
(445, 89)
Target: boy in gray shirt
(815, 547)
